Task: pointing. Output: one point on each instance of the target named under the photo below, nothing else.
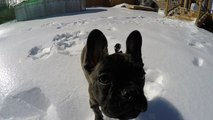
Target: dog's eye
(104, 79)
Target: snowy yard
(41, 77)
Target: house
(195, 10)
(33, 9)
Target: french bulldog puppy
(116, 81)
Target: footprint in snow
(70, 43)
(198, 61)
(201, 46)
(103, 18)
(154, 83)
(80, 22)
(207, 44)
(28, 29)
(25, 104)
(196, 44)
(39, 52)
(111, 17)
(112, 29)
(55, 24)
(65, 43)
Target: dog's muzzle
(126, 104)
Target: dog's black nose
(128, 94)
(125, 94)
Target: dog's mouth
(129, 114)
(121, 112)
(123, 108)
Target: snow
(41, 77)
(15, 2)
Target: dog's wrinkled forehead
(121, 65)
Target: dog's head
(116, 80)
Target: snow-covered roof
(15, 2)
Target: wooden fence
(6, 14)
(40, 8)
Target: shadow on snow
(160, 109)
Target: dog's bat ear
(96, 49)
(134, 44)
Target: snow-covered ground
(41, 76)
